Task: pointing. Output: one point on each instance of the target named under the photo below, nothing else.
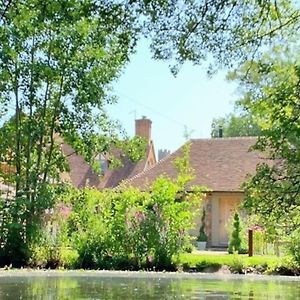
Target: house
(6, 190)
(220, 164)
(81, 173)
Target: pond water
(126, 285)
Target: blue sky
(147, 88)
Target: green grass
(191, 260)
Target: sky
(191, 100)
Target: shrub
(235, 240)
(285, 266)
(128, 228)
(131, 229)
(202, 237)
(237, 264)
(293, 245)
(68, 258)
(188, 248)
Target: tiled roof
(221, 164)
(129, 169)
(81, 174)
(113, 177)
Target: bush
(68, 258)
(235, 241)
(188, 248)
(293, 245)
(130, 229)
(237, 264)
(202, 237)
(124, 229)
(285, 266)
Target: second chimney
(220, 132)
(143, 128)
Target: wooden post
(250, 242)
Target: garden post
(250, 242)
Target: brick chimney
(143, 128)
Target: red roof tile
(81, 174)
(221, 164)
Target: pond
(141, 285)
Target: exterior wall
(197, 221)
(207, 205)
(222, 206)
(218, 207)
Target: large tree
(272, 94)
(57, 59)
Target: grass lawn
(236, 261)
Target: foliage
(130, 229)
(20, 228)
(138, 228)
(230, 32)
(293, 245)
(272, 97)
(235, 125)
(202, 237)
(237, 265)
(52, 247)
(284, 266)
(57, 60)
(235, 241)
(267, 264)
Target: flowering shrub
(139, 229)
(132, 228)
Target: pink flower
(139, 216)
(257, 228)
(65, 211)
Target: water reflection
(95, 287)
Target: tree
(272, 90)
(235, 125)
(230, 31)
(57, 59)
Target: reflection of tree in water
(93, 287)
(39, 288)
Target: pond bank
(141, 274)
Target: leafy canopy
(57, 59)
(272, 96)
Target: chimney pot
(220, 132)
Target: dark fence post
(250, 242)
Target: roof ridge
(226, 138)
